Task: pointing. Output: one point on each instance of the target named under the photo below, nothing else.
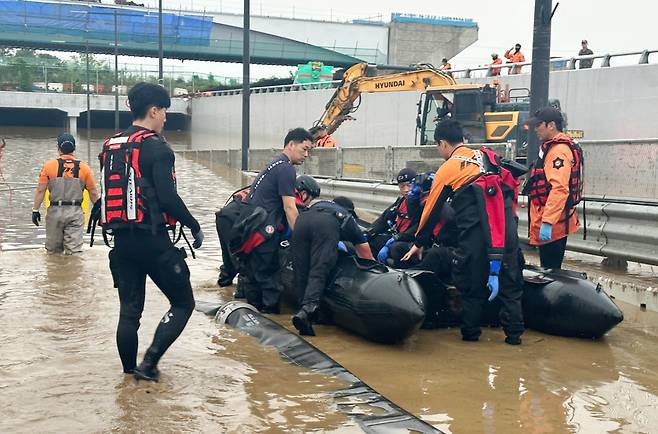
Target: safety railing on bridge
(561, 63)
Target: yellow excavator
(475, 106)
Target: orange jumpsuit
(516, 57)
(557, 167)
(326, 142)
(496, 71)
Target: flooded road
(60, 372)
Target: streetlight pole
(116, 72)
(246, 60)
(160, 47)
(88, 106)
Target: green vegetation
(21, 68)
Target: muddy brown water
(60, 372)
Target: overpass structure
(74, 104)
(80, 26)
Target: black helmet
(308, 184)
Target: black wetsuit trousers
(260, 270)
(136, 255)
(552, 254)
(314, 254)
(471, 272)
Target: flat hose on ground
(373, 412)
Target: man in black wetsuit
(314, 248)
(139, 219)
(269, 212)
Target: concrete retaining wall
(606, 103)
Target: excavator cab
(465, 103)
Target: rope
(3, 143)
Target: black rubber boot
(148, 369)
(513, 340)
(470, 338)
(224, 279)
(303, 322)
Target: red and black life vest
(127, 197)
(402, 219)
(538, 188)
(490, 185)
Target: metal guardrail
(621, 232)
(462, 72)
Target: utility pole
(88, 107)
(160, 46)
(246, 60)
(539, 79)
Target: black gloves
(198, 238)
(36, 217)
(95, 213)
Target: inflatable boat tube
(557, 302)
(369, 299)
(374, 413)
(566, 303)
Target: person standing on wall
(65, 179)
(585, 51)
(139, 204)
(554, 188)
(495, 60)
(323, 138)
(514, 55)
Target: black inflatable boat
(369, 299)
(387, 305)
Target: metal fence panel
(627, 169)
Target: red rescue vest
(491, 181)
(402, 220)
(538, 188)
(126, 195)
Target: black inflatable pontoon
(369, 299)
(374, 413)
(386, 305)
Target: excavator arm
(356, 81)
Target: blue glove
(390, 241)
(545, 232)
(492, 283)
(415, 191)
(342, 246)
(383, 254)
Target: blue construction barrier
(94, 22)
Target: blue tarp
(97, 22)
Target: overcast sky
(610, 26)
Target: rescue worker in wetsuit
(487, 249)
(65, 179)
(554, 187)
(269, 212)
(388, 223)
(314, 246)
(140, 158)
(306, 189)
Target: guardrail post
(615, 262)
(606, 61)
(467, 73)
(339, 163)
(644, 58)
(571, 64)
(389, 163)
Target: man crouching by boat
(483, 194)
(315, 242)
